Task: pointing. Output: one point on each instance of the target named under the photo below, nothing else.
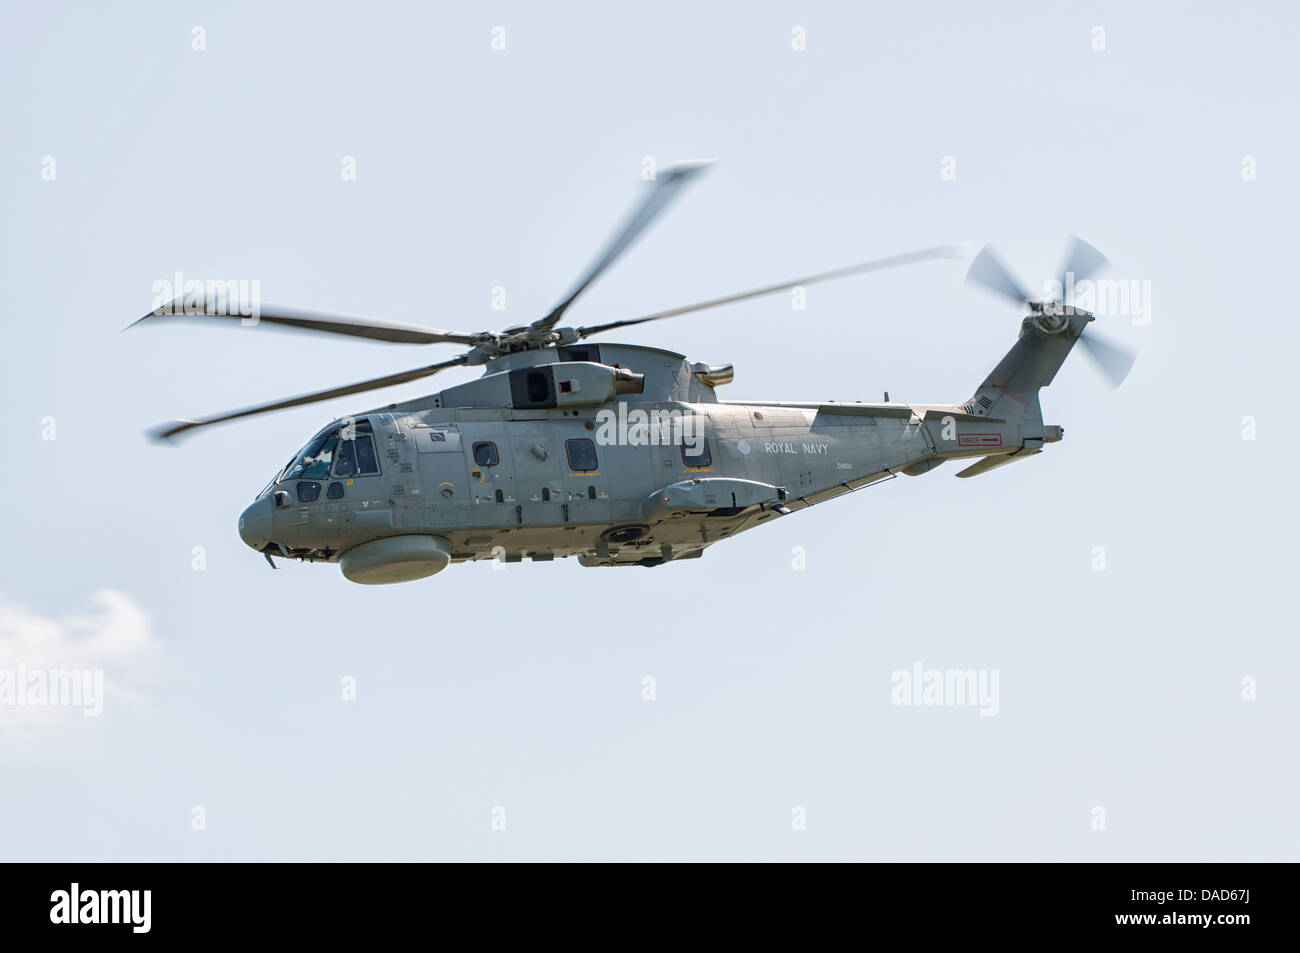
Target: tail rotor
(1112, 360)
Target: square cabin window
(582, 455)
(695, 454)
(485, 454)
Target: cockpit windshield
(315, 460)
(347, 451)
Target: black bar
(926, 902)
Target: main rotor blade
(668, 183)
(1081, 261)
(926, 254)
(988, 270)
(177, 427)
(310, 321)
(1113, 360)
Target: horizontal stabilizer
(1000, 460)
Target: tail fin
(1011, 390)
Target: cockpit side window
(356, 453)
(356, 457)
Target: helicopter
(619, 454)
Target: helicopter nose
(255, 524)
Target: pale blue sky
(521, 688)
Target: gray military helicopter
(618, 454)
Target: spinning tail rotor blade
(1081, 261)
(988, 271)
(667, 185)
(1112, 360)
(944, 251)
(178, 427)
(302, 320)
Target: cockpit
(342, 451)
(324, 472)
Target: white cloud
(54, 671)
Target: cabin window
(308, 492)
(582, 455)
(335, 492)
(695, 453)
(485, 454)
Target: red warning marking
(979, 440)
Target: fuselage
(619, 455)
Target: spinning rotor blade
(1081, 261)
(313, 321)
(668, 183)
(943, 251)
(167, 431)
(988, 270)
(1113, 361)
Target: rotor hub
(1051, 318)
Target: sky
(1128, 590)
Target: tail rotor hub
(1051, 318)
